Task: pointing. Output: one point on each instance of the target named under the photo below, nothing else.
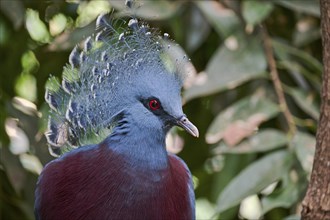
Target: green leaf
(284, 51)
(265, 140)
(36, 28)
(228, 68)
(150, 10)
(67, 40)
(205, 209)
(304, 146)
(241, 119)
(29, 62)
(255, 12)
(308, 7)
(89, 10)
(293, 217)
(4, 33)
(295, 67)
(232, 166)
(307, 30)
(304, 39)
(254, 178)
(223, 20)
(26, 87)
(57, 24)
(12, 206)
(15, 171)
(284, 197)
(305, 101)
(14, 10)
(197, 29)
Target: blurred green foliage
(247, 162)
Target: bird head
(117, 71)
(153, 95)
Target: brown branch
(316, 204)
(276, 81)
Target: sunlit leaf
(228, 68)
(150, 10)
(31, 163)
(36, 28)
(24, 107)
(255, 12)
(19, 142)
(250, 207)
(89, 10)
(57, 24)
(26, 87)
(253, 179)
(309, 7)
(224, 20)
(29, 62)
(205, 209)
(304, 146)
(265, 140)
(241, 119)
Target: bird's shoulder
(76, 173)
(178, 164)
(78, 167)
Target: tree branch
(276, 81)
(316, 204)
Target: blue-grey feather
(51, 100)
(104, 56)
(133, 24)
(101, 21)
(67, 86)
(88, 44)
(83, 57)
(99, 36)
(129, 3)
(74, 58)
(108, 76)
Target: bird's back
(97, 183)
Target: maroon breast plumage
(102, 185)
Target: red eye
(154, 104)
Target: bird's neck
(143, 146)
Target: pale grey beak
(184, 123)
